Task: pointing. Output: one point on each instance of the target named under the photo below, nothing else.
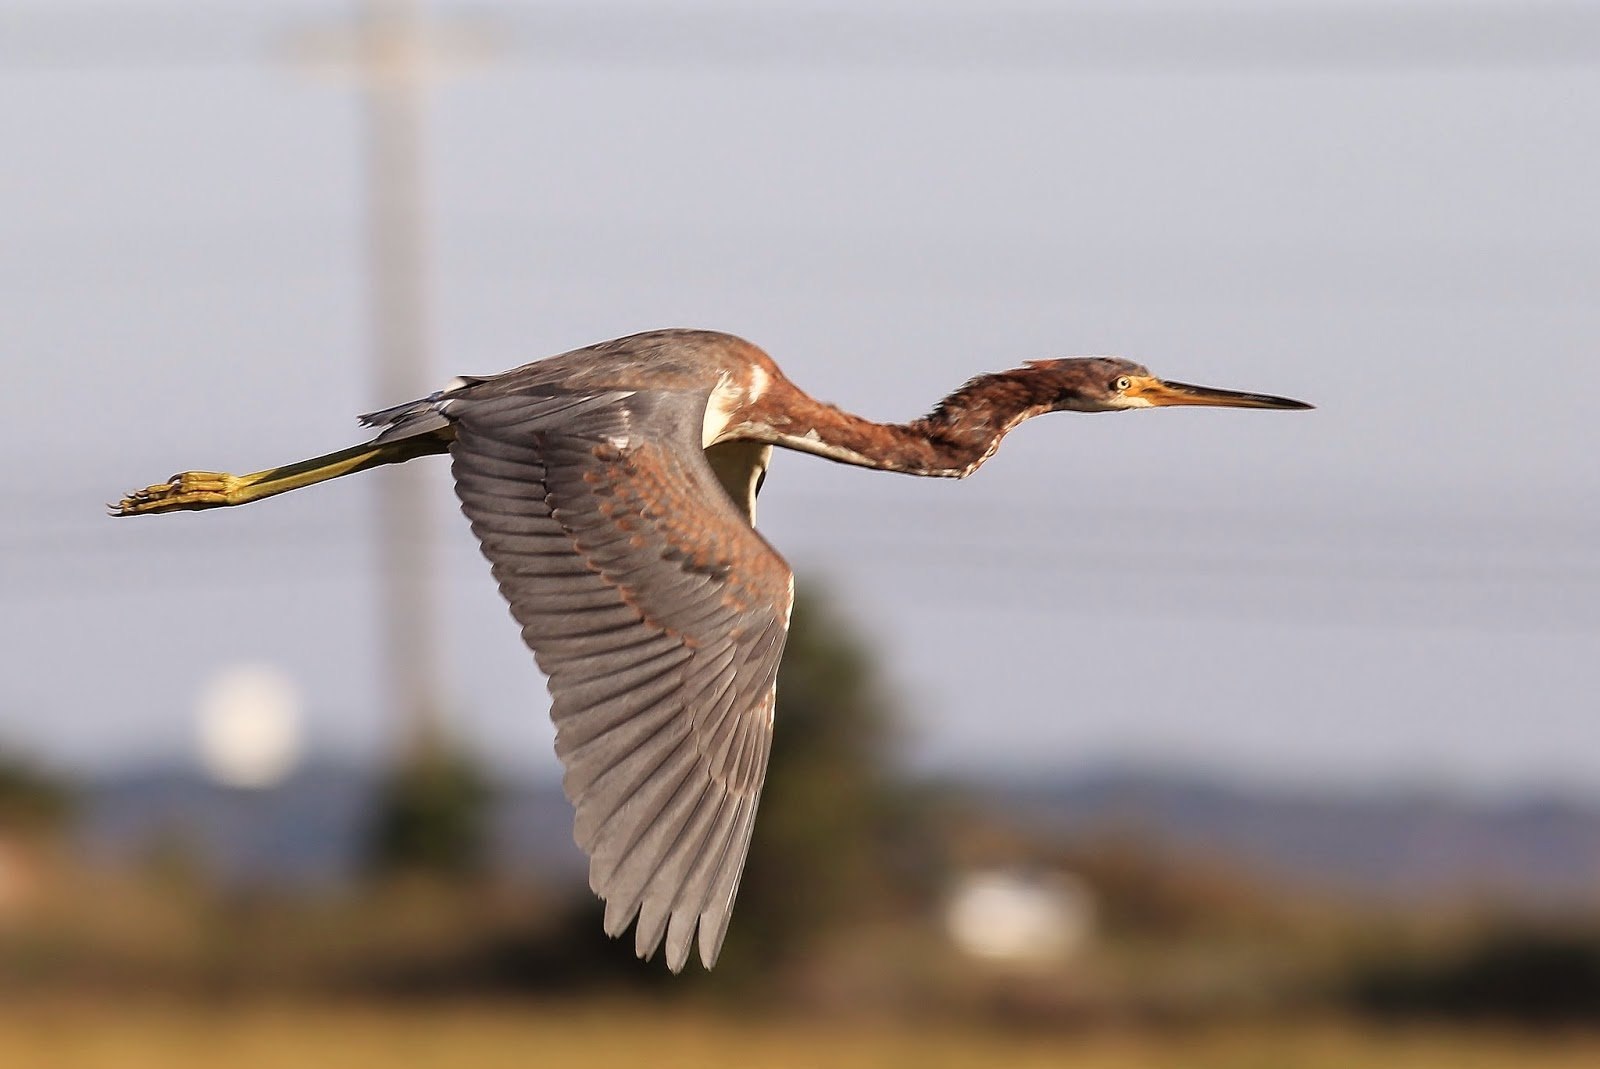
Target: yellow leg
(218, 489)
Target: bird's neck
(952, 441)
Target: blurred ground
(626, 1035)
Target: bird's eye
(1124, 382)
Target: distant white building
(248, 727)
(1018, 918)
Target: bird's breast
(721, 411)
(730, 404)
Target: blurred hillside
(1400, 845)
(1529, 853)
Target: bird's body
(613, 491)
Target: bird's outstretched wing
(659, 615)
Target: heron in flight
(613, 491)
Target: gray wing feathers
(659, 616)
(432, 413)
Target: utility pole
(392, 55)
(401, 323)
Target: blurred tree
(839, 840)
(31, 799)
(34, 808)
(1529, 974)
(431, 814)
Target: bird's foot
(185, 490)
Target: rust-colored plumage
(613, 490)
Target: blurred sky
(1389, 210)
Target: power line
(1236, 39)
(52, 530)
(1060, 593)
(1066, 554)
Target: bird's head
(1111, 384)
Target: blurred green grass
(597, 1036)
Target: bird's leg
(218, 489)
(185, 490)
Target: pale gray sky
(1389, 211)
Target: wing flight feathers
(659, 615)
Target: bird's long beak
(1159, 392)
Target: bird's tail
(408, 433)
(423, 416)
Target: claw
(185, 490)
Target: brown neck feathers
(952, 441)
